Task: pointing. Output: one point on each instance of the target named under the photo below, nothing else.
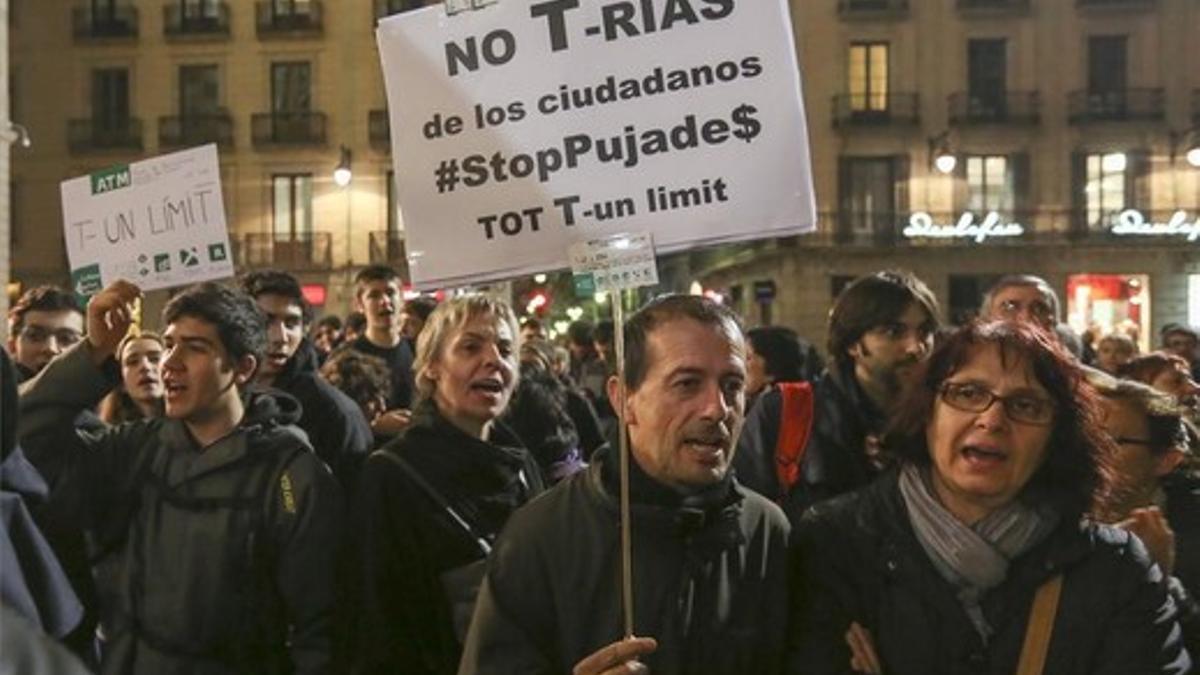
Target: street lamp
(17, 133)
(944, 160)
(1188, 138)
(342, 174)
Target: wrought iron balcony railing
(872, 9)
(1013, 107)
(389, 7)
(100, 135)
(1120, 105)
(875, 109)
(388, 248)
(105, 22)
(1115, 4)
(182, 20)
(286, 251)
(993, 7)
(288, 128)
(188, 130)
(278, 18)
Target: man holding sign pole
(709, 557)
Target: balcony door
(987, 77)
(110, 100)
(199, 102)
(1107, 75)
(868, 196)
(868, 78)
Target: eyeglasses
(64, 336)
(1022, 408)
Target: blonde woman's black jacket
(399, 614)
(859, 560)
(709, 583)
(226, 553)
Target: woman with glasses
(974, 553)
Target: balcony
(297, 20)
(190, 130)
(1115, 106)
(875, 110)
(288, 252)
(1115, 4)
(181, 22)
(984, 8)
(1014, 107)
(872, 9)
(379, 129)
(91, 135)
(388, 248)
(389, 7)
(107, 23)
(287, 129)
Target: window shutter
(1137, 181)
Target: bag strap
(795, 427)
(432, 492)
(1041, 625)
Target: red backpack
(795, 427)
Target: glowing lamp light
(539, 278)
(342, 174)
(696, 288)
(600, 297)
(575, 313)
(1193, 156)
(945, 163)
(1114, 162)
(561, 327)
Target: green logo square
(189, 257)
(162, 262)
(217, 252)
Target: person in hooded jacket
(431, 502)
(335, 425)
(224, 520)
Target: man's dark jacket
(709, 580)
(226, 553)
(335, 425)
(858, 559)
(835, 460)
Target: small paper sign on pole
(614, 263)
(618, 263)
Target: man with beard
(377, 295)
(334, 424)
(223, 519)
(709, 557)
(880, 328)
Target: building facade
(287, 89)
(1067, 122)
(1063, 117)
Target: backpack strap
(415, 476)
(1041, 625)
(795, 428)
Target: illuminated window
(1105, 189)
(291, 201)
(869, 76)
(989, 184)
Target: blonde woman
(432, 501)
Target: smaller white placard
(615, 263)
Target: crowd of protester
(432, 488)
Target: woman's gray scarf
(972, 558)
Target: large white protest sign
(527, 126)
(158, 223)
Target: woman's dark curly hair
(1076, 466)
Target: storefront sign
(1133, 222)
(921, 224)
(530, 125)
